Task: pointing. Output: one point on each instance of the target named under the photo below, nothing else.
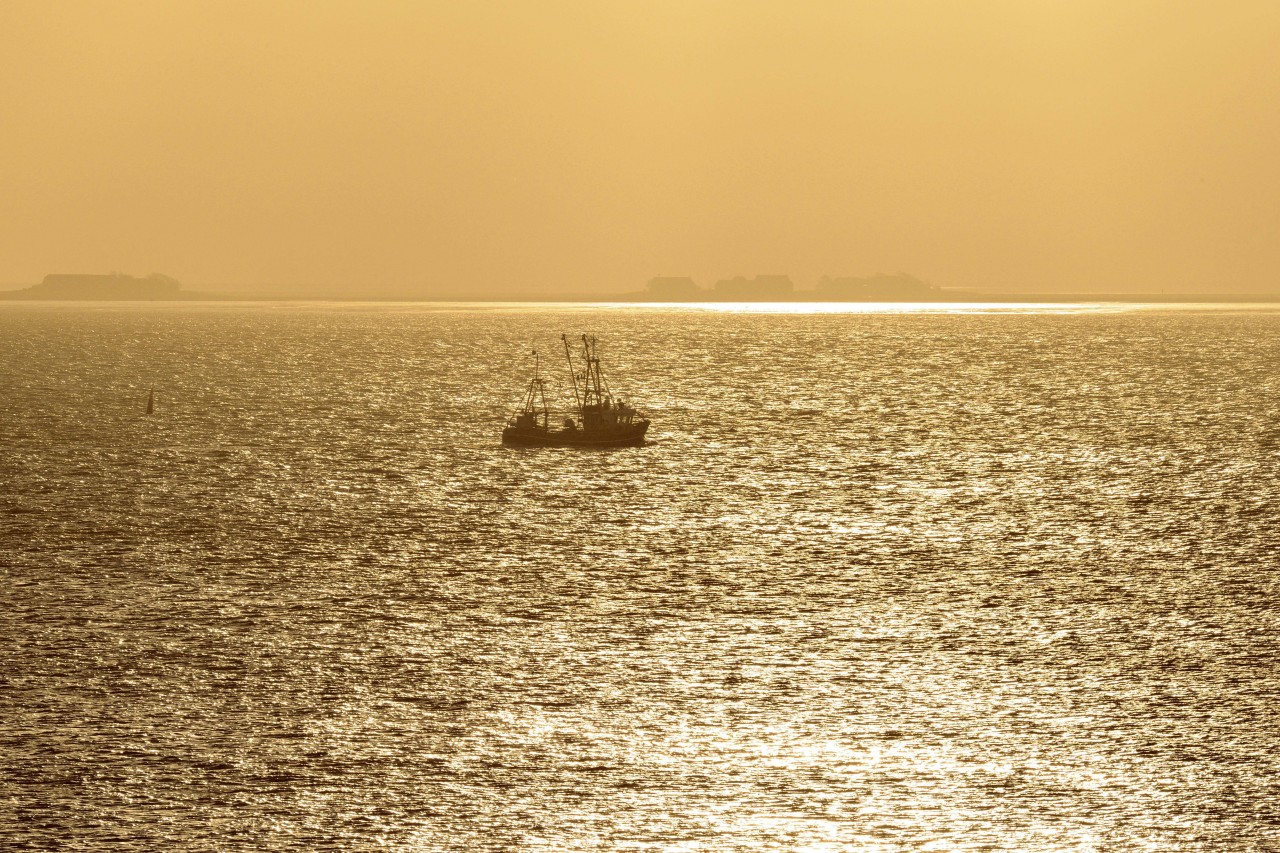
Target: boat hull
(631, 435)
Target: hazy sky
(420, 148)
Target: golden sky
(542, 147)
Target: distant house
(760, 287)
(673, 287)
(900, 286)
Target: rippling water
(882, 580)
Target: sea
(883, 578)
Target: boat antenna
(572, 374)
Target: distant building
(900, 286)
(758, 288)
(673, 287)
(112, 286)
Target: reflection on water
(883, 580)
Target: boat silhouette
(598, 419)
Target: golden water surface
(946, 578)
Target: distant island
(899, 287)
(116, 286)
(779, 288)
(769, 287)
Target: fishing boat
(597, 420)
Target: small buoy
(151, 402)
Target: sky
(525, 149)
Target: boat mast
(590, 386)
(572, 374)
(536, 393)
(542, 389)
(602, 384)
(596, 389)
